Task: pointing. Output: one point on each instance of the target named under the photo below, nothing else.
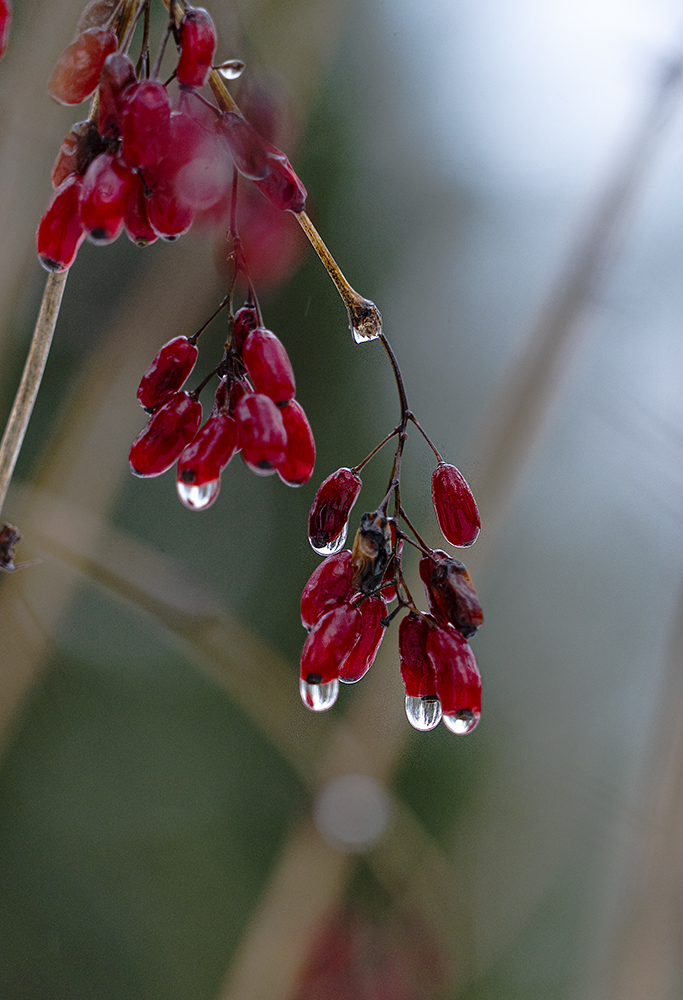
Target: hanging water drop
(199, 497)
(231, 69)
(319, 697)
(462, 722)
(365, 320)
(336, 545)
(423, 713)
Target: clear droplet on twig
(319, 697)
(423, 713)
(199, 497)
(336, 545)
(231, 69)
(463, 722)
(365, 319)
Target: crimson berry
(118, 76)
(423, 707)
(5, 18)
(455, 507)
(328, 587)
(248, 149)
(371, 552)
(281, 185)
(168, 372)
(299, 462)
(363, 654)
(201, 463)
(329, 643)
(78, 150)
(458, 682)
(196, 165)
(60, 231)
(197, 37)
(78, 69)
(146, 125)
(268, 365)
(263, 438)
(328, 520)
(169, 431)
(135, 220)
(106, 188)
(451, 593)
(246, 320)
(168, 216)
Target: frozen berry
(118, 76)
(146, 125)
(106, 187)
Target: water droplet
(462, 722)
(423, 713)
(231, 69)
(336, 545)
(365, 319)
(361, 337)
(319, 697)
(199, 497)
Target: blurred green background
(503, 179)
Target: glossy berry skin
(77, 72)
(331, 507)
(60, 231)
(299, 462)
(167, 373)
(263, 438)
(363, 654)
(329, 643)
(135, 220)
(265, 165)
(197, 36)
(106, 187)
(281, 185)
(417, 671)
(116, 80)
(5, 19)
(207, 455)
(169, 431)
(146, 125)
(167, 215)
(454, 506)
(328, 587)
(268, 365)
(458, 682)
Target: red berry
(168, 372)
(78, 69)
(210, 451)
(329, 643)
(248, 149)
(118, 76)
(5, 18)
(197, 36)
(328, 587)
(246, 320)
(106, 188)
(97, 14)
(78, 150)
(458, 682)
(454, 505)
(328, 519)
(60, 231)
(169, 431)
(299, 462)
(281, 185)
(196, 164)
(268, 365)
(135, 220)
(363, 654)
(423, 707)
(263, 438)
(168, 216)
(450, 592)
(146, 125)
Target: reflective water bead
(334, 546)
(319, 697)
(423, 713)
(462, 722)
(231, 69)
(199, 497)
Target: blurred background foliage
(503, 179)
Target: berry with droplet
(60, 231)
(209, 452)
(268, 365)
(455, 507)
(197, 38)
(167, 373)
(169, 431)
(263, 438)
(329, 643)
(106, 187)
(328, 587)
(458, 682)
(423, 708)
(328, 518)
(77, 72)
(281, 185)
(363, 654)
(299, 462)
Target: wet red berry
(60, 231)
(417, 672)
(299, 462)
(363, 654)
(135, 221)
(458, 682)
(263, 438)
(248, 149)
(197, 37)
(329, 515)
(5, 19)
(268, 365)
(118, 76)
(328, 587)
(107, 185)
(168, 372)
(78, 69)
(281, 185)
(454, 505)
(329, 643)
(146, 125)
(168, 216)
(169, 431)
(209, 452)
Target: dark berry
(329, 515)
(78, 69)
(168, 372)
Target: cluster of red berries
(5, 18)
(254, 412)
(344, 603)
(146, 161)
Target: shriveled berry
(452, 594)
(328, 587)
(135, 221)
(5, 19)
(118, 76)
(169, 431)
(77, 72)
(363, 654)
(329, 515)
(299, 462)
(60, 231)
(209, 452)
(78, 150)
(371, 552)
(263, 438)
(97, 14)
(197, 37)
(329, 643)
(268, 365)
(454, 505)
(458, 682)
(246, 320)
(106, 188)
(146, 125)
(168, 372)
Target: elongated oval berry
(454, 506)
(363, 654)
(135, 221)
(97, 14)
(329, 643)
(197, 36)
(146, 125)
(299, 462)
(328, 587)
(60, 231)
(423, 708)
(5, 19)
(263, 438)
(169, 431)
(106, 188)
(458, 682)
(118, 76)
(268, 365)
(168, 372)
(209, 452)
(281, 185)
(248, 149)
(77, 72)
(168, 216)
(328, 519)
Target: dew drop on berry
(319, 697)
(232, 69)
(199, 497)
(463, 722)
(423, 713)
(336, 545)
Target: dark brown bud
(371, 552)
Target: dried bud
(450, 592)
(371, 552)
